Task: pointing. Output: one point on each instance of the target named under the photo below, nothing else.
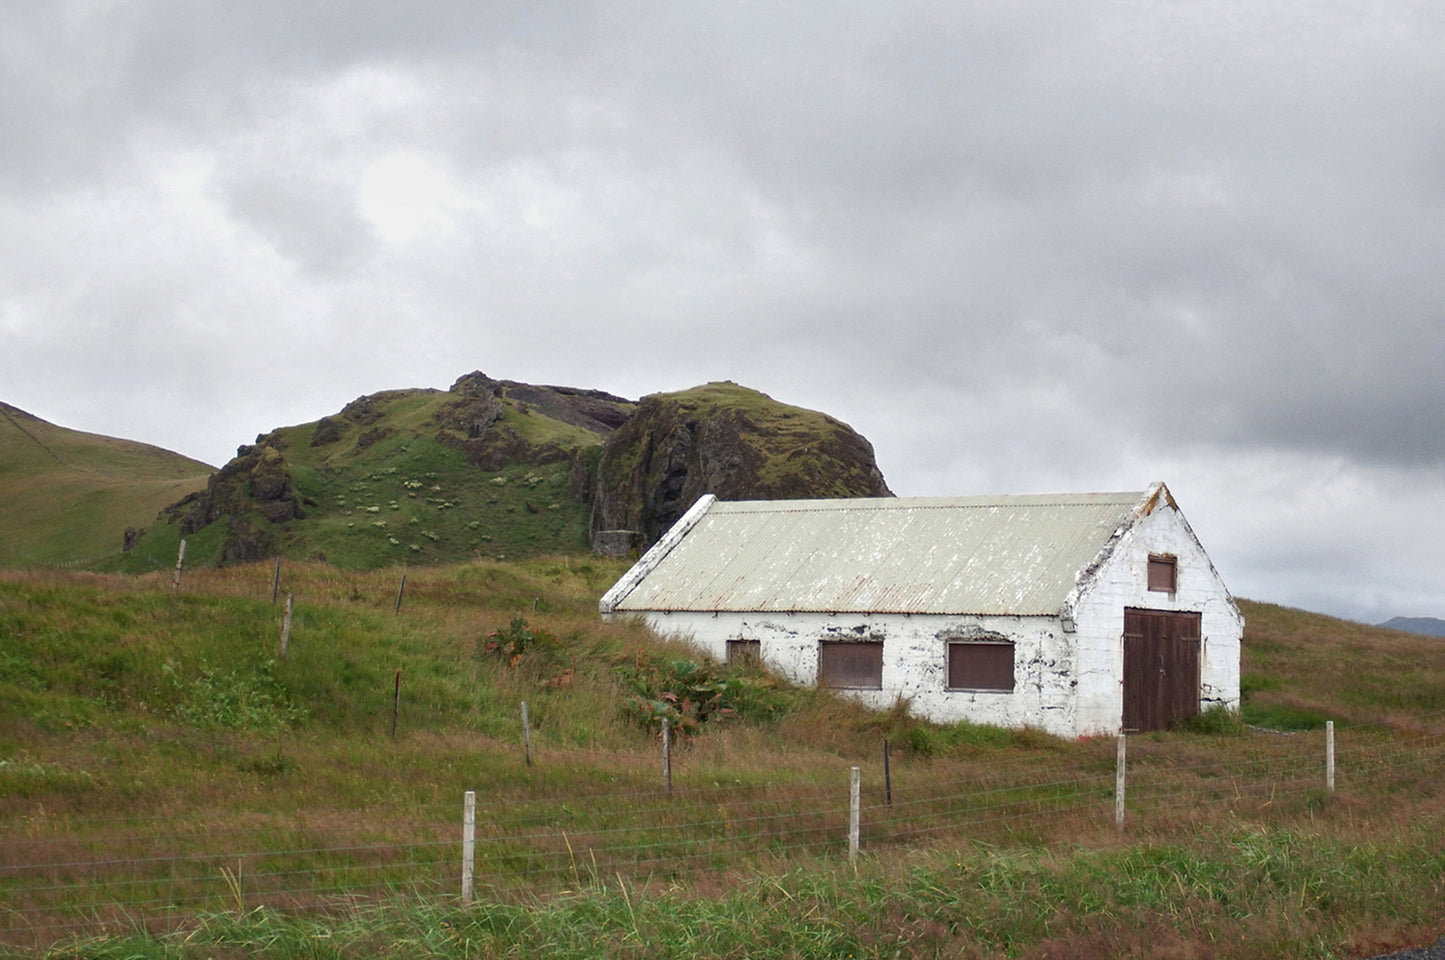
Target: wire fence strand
(62, 879)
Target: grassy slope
(1302, 668)
(407, 498)
(67, 496)
(411, 499)
(116, 698)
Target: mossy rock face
(501, 423)
(498, 468)
(727, 440)
(257, 480)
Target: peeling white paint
(1068, 666)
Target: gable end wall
(1121, 581)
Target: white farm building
(1077, 614)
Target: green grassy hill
(494, 469)
(1303, 668)
(67, 497)
(390, 481)
(487, 469)
(163, 745)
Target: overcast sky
(1021, 247)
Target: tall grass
(254, 804)
(1301, 669)
(1243, 893)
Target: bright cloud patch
(404, 197)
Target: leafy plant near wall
(684, 693)
(1218, 719)
(688, 695)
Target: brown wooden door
(1161, 668)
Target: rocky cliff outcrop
(725, 440)
(544, 469)
(474, 421)
(252, 492)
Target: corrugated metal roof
(983, 555)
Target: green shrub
(923, 740)
(760, 699)
(1281, 716)
(235, 700)
(515, 640)
(927, 740)
(685, 693)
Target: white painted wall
(914, 659)
(1121, 581)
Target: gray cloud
(1024, 246)
(306, 220)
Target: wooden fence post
(399, 591)
(887, 775)
(1119, 783)
(395, 703)
(285, 629)
(854, 804)
(667, 754)
(526, 733)
(180, 561)
(276, 581)
(1330, 756)
(469, 842)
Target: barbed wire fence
(62, 878)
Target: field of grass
(404, 497)
(1303, 668)
(170, 786)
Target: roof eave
(654, 556)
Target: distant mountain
(1430, 626)
(497, 468)
(68, 497)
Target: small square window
(1163, 573)
(981, 666)
(744, 651)
(851, 666)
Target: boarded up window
(745, 651)
(981, 666)
(1163, 571)
(854, 666)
